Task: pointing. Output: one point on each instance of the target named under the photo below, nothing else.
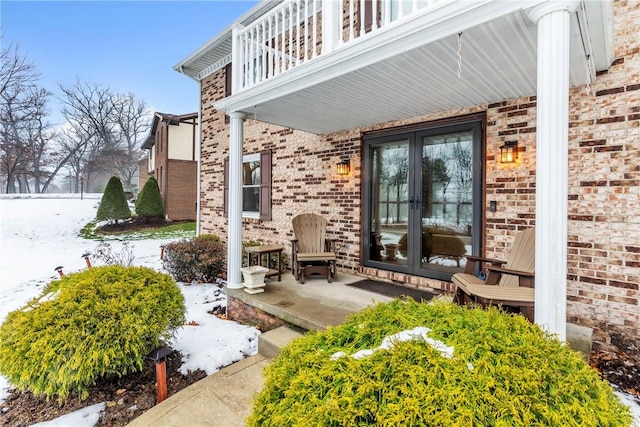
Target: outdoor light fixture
(343, 167)
(509, 152)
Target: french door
(423, 199)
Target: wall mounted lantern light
(509, 152)
(343, 167)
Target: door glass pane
(447, 195)
(389, 202)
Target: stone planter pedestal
(254, 278)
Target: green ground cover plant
(503, 371)
(184, 230)
(200, 259)
(99, 323)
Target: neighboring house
(420, 98)
(171, 158)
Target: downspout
(198, 148)
(198, 158)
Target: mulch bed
(126, 397)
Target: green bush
(149, 202)
(200, 259)
(113, 205)
(101, 322)
(504, 371)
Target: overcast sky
(130, 46)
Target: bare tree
(133, 120)
(22, 114)
(116, 124)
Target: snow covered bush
(98, 323)
(418, 364)
(200, 259)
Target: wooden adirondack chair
(509, 283)
(312, 251)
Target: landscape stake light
(159, 356)
(59, 270)
(86, 259)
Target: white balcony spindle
(283, 40)
(374, 15)
(306, 30)
(351, 18)
(362, 18)
(263, 43)
(298, 32)
(315, 29)
(290, 48)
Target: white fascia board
(434, 24)
(262, 7)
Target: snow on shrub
(200, 259)
(101, 322)
(418, 364)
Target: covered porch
(431, 57)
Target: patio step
(270, 343)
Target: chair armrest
(470, 266)
(512, 272)
(525, 278)
(483, 259)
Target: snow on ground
(40, 232)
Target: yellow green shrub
(504, 371)
(101, 322)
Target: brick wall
(181, 190)
(143, 173)
(604, 190)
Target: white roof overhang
(412, 69)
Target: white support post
(236, 60)
(553, 20)
(330, 25)
(234, 235)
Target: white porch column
(331, 25)
(553, 20)
(234, 235)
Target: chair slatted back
(311, 231)
(522, 256)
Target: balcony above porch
(313, 66)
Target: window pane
(251, 173)
(251, 199)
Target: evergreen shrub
(149, 202)
(113, 205)
(200, 259)
(98, 323)
(504, 371)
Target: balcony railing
(299, 31)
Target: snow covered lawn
(38, 234)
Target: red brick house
(420, 99)
(171, 158)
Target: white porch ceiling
(352, 89)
